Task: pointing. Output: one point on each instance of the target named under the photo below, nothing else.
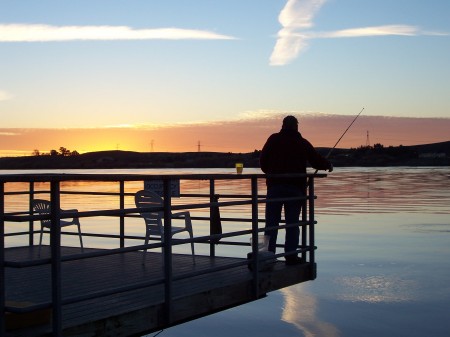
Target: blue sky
(91, 63)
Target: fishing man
(288, 152)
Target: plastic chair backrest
(42, 207)
(153, 219)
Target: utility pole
(367, 139)
(151, 146)
(198, 146)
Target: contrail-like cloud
(48, 33)
(297, 17)
(399, 30)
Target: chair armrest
(181, 214)
(186, 215)
(69, 210)
(72, 212)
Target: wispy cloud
(48, 33)
(9, 133)
(296, 18)
(400, 30)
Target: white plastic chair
(42, 207)
(154, 220)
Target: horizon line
(44, 154)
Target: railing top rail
(46, 177)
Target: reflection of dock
(111, 292)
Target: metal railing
(252, 199)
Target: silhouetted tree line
(380, 149)
(62, 152)
(379, 155)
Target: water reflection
(430, 228)
(300, 309)
(385, 190)
(375, 288)
(382, 243)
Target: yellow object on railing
(239, 168)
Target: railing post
(304, 228)
(2, 259)
(55, 247)
(167, 249)
(212, 191)
(122, 217)
(31, 223)
(255, 234)
(311, 224)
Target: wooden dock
(139, 311)
(67, 291)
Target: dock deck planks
(138, 311)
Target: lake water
(383, 261)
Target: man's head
(290, 123)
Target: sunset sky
(215, 75)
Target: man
(287, 152)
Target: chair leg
(162, 249)
(145, 250)
(40, 241)
(79, 234)
(192, 246)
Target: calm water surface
(383, 258)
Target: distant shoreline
(437, 154)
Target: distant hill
(129, 159)
(437, 154)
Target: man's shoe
(293, 260)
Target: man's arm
(316, 160)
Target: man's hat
(290, 122)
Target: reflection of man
(287, 152)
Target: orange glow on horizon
(228, 136)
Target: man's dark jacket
(288, 152)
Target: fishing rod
(353, 121)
